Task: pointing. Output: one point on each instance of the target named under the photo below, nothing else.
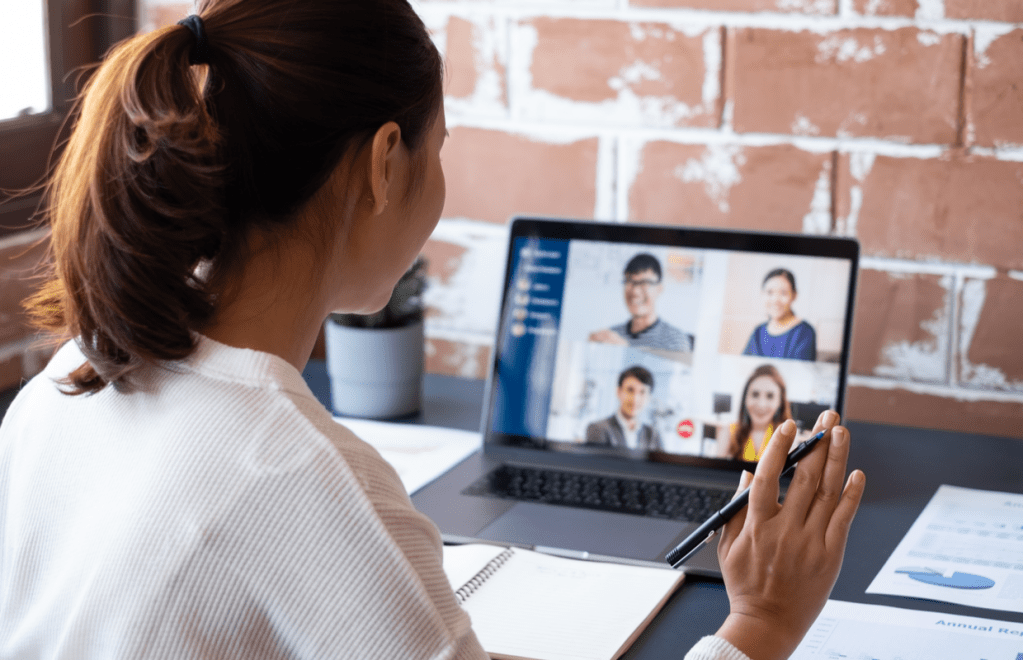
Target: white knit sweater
(218, 513)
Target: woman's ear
(388, 165)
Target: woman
(169, 487)
(763, 408)
(784, 335)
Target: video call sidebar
(529, 329)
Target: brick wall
(899, 122)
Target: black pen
(705, 532)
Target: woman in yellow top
(764, 407)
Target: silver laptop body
(629, 362)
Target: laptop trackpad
(596, 532)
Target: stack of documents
(418, 453)
(966, 547)
(871, 632)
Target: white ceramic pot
(375, 372)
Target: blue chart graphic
(956, 581)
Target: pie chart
(955, 581)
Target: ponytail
(134, 206)
(171, 165)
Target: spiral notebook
(526, 605)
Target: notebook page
(552, 608)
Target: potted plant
(375, 361)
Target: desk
(904, 467)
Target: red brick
(443, 259)
(997, 85)
(595, 61)
(966, 209)
(794, 6)
(460, 59)
(1010, 11)
(19, 262)
(886, 7)
(993, 358)
(456, 358)
(469, 56)
(493, 175)
(904, 408)
(767, 188)
(901, 326)
(901, 85)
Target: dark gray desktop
(904, 467)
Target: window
(24, 88)
(53, 42)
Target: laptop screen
(667, 344)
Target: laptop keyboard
(644, 498)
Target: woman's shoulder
(797, 327)
(66, 358)
(803, 327)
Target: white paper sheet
(966, 547)
(418, 453)
(852, 631)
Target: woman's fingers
(807, 478)
(837, 532)
(763, 500)
(830, 487)
(734, 526)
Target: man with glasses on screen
(642, 287)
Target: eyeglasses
(640, 284)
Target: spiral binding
(462, 593)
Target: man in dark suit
(623, 429)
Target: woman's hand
(780, 561)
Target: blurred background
(898, 122)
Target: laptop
(634, 370)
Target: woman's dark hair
(781, 272)
(784, 411)
(170, 166)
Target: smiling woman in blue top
(784, 335)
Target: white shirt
(631, 433)
(220, 512)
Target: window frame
(79, 32)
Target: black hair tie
(200, 53)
